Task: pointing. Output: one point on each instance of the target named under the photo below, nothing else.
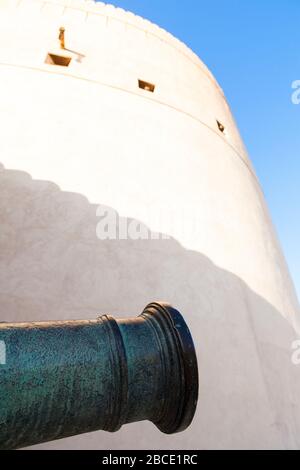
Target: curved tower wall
(76, 137)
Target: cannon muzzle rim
(181, 402)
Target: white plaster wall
(78, 137)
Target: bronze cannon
(61, 378)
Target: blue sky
(253, 49)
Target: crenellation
(91, 7)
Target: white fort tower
(124, 117)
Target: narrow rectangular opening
(146, 86)
(221, 127)
(55, 59)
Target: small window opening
(221, 127)
(55, 59)
(146, 86)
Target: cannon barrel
(61, 378)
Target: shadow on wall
(52, 266)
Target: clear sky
(253, 49)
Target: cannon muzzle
(62, 378)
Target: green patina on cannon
(62, 378)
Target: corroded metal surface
(70, 377)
